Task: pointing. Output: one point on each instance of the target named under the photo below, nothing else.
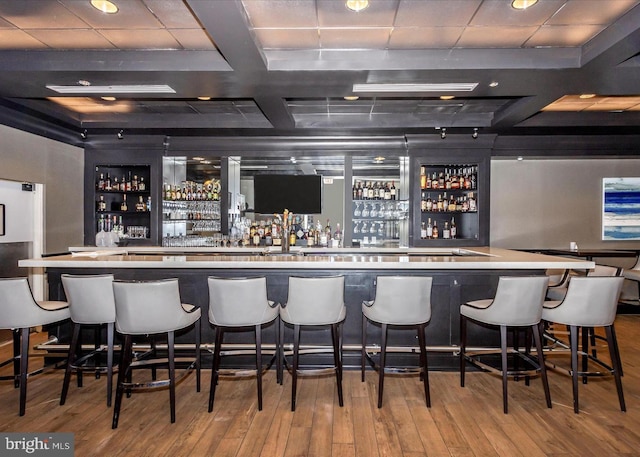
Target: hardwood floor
(461, 422)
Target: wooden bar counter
(459, 275)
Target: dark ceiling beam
(226, 24)
(616, 43)
(424, 59)
(276, 111)
(112, 61)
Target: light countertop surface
(473, 258)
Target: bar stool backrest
(518, 301)
(315, 301)
(148, 307)
(18, 308)
(402, 300)
(590, 302)
(90, 298)
(238, 302)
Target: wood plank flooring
(461, 422)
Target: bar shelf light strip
(427, 87)
(122, 89)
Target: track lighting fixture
(443, 133)
(474, 135)
(83, 134)
(121, 134)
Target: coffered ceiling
(283, 67)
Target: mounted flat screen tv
(301, 194)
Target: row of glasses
(387, 210)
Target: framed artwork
(2, 220)
(621, 209)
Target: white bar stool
(237, 303)
(517, 304)
(590, 302)
(401, 301)
(151, 308)
(314, 301)
(91, 303)
(19, 312)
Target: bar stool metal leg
(216, 366)
(424, 363)
(258, 330)
(70, 362)
(614, 353)
(172, 374)
(296, 356)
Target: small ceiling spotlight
(523, 4)
(351, 98)
(443, 133)
(108, 98)
(83, 134)
(447, 97)
(121, 134)
(494, 84)
(357, 5)
(474, 135)
(293, 160)
(105, 6)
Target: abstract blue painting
(621, 209)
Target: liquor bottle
(142, 186)
(140, 206)
(429, 229)
(423, 231)
(167, 192)
(423, 203)
(107, 183)
(434, 181)
(360, 190)
(100, 184)
(447, 180)
(434, 230)
(370, 192)
(423, 178)
(440, 204)
(393, 191)
(454, 229)
(446, 233)
(429, 203)
(472, 203)
(102, 205)
(452, 204)
(292, 236)
(441, 183)
(387, 192)
(354, 191)
(149, 203)
(123, 205)
(327, 230)
(455, 180)
(337, 235)
(465, 204)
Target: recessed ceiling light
(587, 95)
(84, 82)
(198, 158)
(378, 159)
(447, 97)
(520, 158)
(357, 5)
(105, 6)
(204, 98)
(523, 4)
(494, 84)
(108, 99)
(351, 98)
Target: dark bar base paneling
(450, 289)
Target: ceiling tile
(33, 14)
(420, 13)
(369, 38)
(141, 39)
(334, 13)
(563, 35)
(193, 39)
(288, 38)
(132, 14)
(424, 37)
(17, 39)
(495, 37)
(172, 14)
(591, 11)
(72, 39)
(281, 13)
(500, 12)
